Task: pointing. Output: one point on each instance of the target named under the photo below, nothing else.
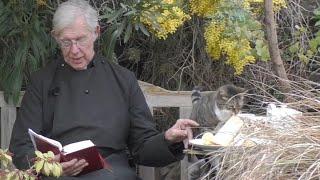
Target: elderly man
(84, 96)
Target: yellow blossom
(167, 20)
(236, 51)
(168, 1)
(203, 7)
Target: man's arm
(29, 116)
(148, 146)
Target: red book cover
(90, 154)
(78, 150)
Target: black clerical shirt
(103, 103)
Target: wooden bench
(155, 96)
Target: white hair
(68, 11)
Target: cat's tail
(196, 95)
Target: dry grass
(294, 152)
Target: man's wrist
(174, 147)
(166, 136)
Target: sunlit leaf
(39, 154)
(46, 169)
(56, 170)
(294, 48)
(303, 58)
(50, 154)
(39, 165)
(317, 12)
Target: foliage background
(176, 63)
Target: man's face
(77, 44)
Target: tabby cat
(212, 110)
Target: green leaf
(50, 154)
(46, 169)
(111, 44)
(314, 43)
(130, 13)
(121, 27)
(293, 49)
(143, 29)
(50, 167)
(56, 170)
(317, 12)
(265, 56)
(12, 176)
(5, 158)
(128, 32)
(39, 154)
(21, 53)
(115, 15)
(5, 163)
(317, 23)
(262, 50)
(303, 58)
(39, 165)
(123, 6)
(310, 54)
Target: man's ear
(54, 34)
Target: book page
(73, 147)
(34, 135)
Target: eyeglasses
(80, 42)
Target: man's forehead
(68, 33)
(77, 29)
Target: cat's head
(231, 98)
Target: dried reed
(292, 153)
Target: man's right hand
(71, 168)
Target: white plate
(199, 143)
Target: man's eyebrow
(67, 39)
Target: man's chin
(78, 67)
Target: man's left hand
(180, 130)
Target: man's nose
(74, 48)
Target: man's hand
(180, 130)
(73, 167)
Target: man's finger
(181, 134)
(188, 122)
(190, 133)
(56, 158)
(79, 167)
(68, 166)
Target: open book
(78, 150)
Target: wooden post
(147, 173)
(184, 113)
(8, 115)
